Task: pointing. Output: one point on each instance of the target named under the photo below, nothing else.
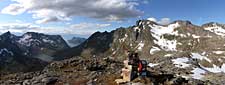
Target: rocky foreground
(79, 71)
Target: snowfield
(216, 29)
(158, 32)
(198, 73)
(181, 62)
(200, 57)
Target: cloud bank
(61, 10)
(84, 29)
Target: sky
(82, 18)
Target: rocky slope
(29, 52)
(81, 71)
(181, 48)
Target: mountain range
(180, 49)
(29, 52)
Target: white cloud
(13, 9)
(16, 27)
(152, 19)
(88, 26)
(60, 10)
(145, 1)
(163, 21)
(85, 29)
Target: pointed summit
(144, 22)
(7, 35)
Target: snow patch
(168, 55)
(216, 69)
(216, 29)
(182, 35)
(153, 64)
(7, 51)
(179, 43)
(220, 60)
(154, 49)
(195, 36)
(219, 52)
(188, 34)
(159, 31)
(200, 57)
(140, 46)
(123, 39)
(168, 45)
(203, 53)
(198, 73)
(135, 28)
(181, 62)
(25, 38)
(47, 41)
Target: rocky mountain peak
(183, 22)
(31, 51)
(144, 22)
(40, 39)
(213, 24)
(76, 41)
(7, 35)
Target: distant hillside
(29, 52)
(75, 41)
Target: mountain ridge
(139, 23)
(161, 45)
(22, 52)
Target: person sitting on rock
(134, 59)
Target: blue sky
(84, 17)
